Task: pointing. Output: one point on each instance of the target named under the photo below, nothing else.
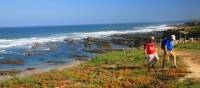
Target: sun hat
(173, 37)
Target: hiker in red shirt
(151, 52)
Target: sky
(75, 12)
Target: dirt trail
(192, 60)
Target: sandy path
(191, 59)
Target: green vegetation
(110, 70)
(189, 46)
(190, 83)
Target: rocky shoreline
(116, 42)
(192, 30)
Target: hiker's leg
(148, 66)
(165, 58)
(151, 58)
(154, 62)
(150, 61)
(163, 62)
(174, 58)
(171, 58)
(156, 59)
(147, 63)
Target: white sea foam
(134, 30)
(24, 42)
(27, 42)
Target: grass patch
(189, 46)
(190, 83)
(117, 58)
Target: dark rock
(94, 50)
(88, 42)
(12, 73)
(51, 46)
(16, 61)
(79, 55)
(33, 52)
(31, 68)
(36, 45)
(97, 45)
(102, 43)
(71, 41)
(55, 62)
(39, 48)
(134, 40)
(41, 59)
(82, 59)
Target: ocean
(16, 42)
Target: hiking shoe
(148, 69)
(165, 68)
(153, 66)
(175, 66)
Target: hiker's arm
(156, 50)
(165, 48)
(175, 44)
(145, 52)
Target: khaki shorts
(169, 55)
(152, 57)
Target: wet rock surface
(31, 68)
(79, 55)
(36, 45)
(94, 50)
(54, 62)
(89, 42)
(13, 61)
(71, 41)
(39, 48)
(96, 45)
(81, 59)
(11, 73)
(33, 52)
(102, 45)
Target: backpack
(163, 43)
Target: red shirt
(151, 48)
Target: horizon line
(93, 24)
